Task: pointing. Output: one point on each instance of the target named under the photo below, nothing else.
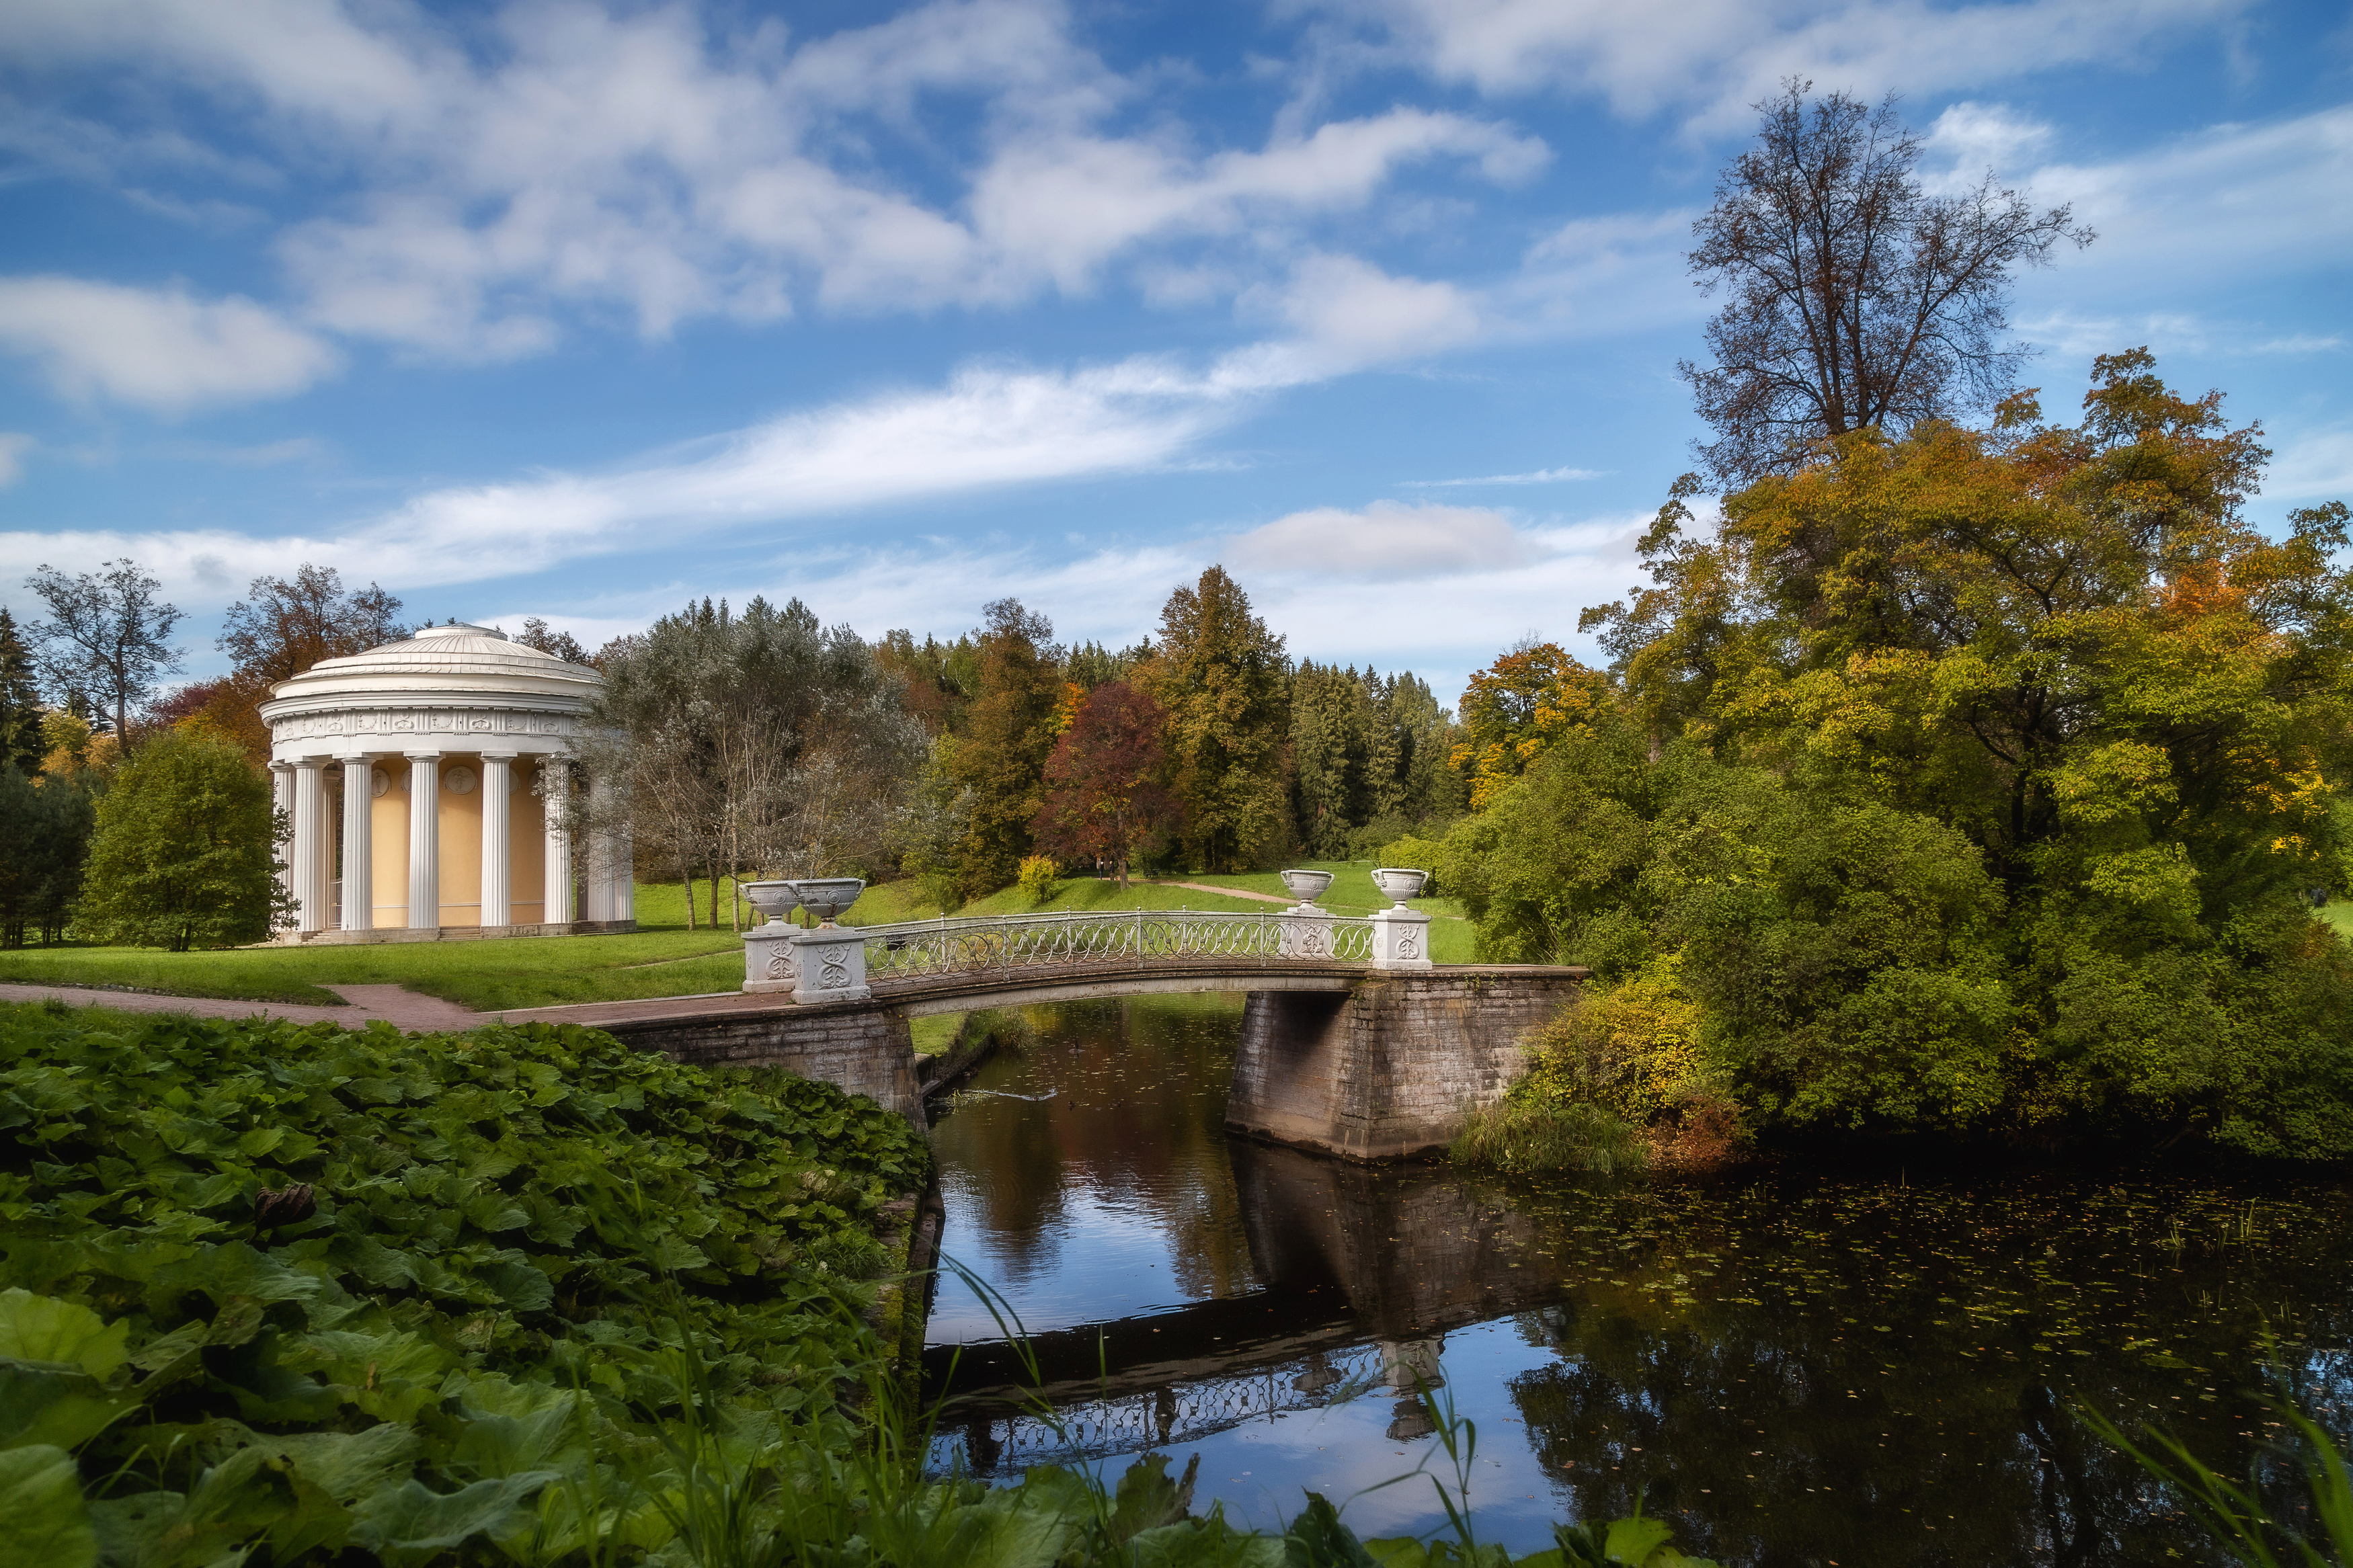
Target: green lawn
(662, 958)
(2340, 915)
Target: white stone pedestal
(832, 962)
(1400, 939)
(771, 963)
(1306, 933)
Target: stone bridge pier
(1387, 1068)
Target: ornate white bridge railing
(944, 947)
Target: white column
(424, 840)
(359, 858)
(282, 795)
(498, 895)
(309, 844)
(555, 777)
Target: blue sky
(582, 309)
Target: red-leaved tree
(1104, 800)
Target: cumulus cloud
(159, 348)
(1384, 541)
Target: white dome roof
(447, 663)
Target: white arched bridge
(1353, 1042)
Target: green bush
(181, 854)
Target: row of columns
(302, 793)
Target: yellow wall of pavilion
(528, 853)
(461, 846)
(388, 847)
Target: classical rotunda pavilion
(426, 782)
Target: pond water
(1796, 1367)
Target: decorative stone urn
(1307, 929)
(1400, 935)
(774, 901)
(1306, 886)
(826, 897)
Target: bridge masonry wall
(864, 1049)
(1389, 1069)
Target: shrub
(1632, 1048)
(181, 854)
(1040, 879)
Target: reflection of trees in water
(1137, 1115)
(1888, 1376)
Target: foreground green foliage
(2236, 1516)
(467, 1316)
(1976, 784)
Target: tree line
(730, 743)
(759, 742)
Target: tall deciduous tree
(1853, 299)
(281, 628)
(1222, 677)
(1104, 798)
(181, 854)
(108, 638)
(759, 742)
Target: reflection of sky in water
(1097, 1259)
(1262, 1469)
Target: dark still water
(1796, 1368)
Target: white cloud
(1719, 56)
(13, 445)
(1968, 139)
(2313, 464)
(1617, 272)
(1385, 542)
(988, 426)
(2232, 202)
(1533, 477)
(639, 162)
(162, 348)
(1347, 313)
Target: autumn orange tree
(1103, 798)
(2000, 765)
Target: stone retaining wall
(1391, 1068)
(857, 1045)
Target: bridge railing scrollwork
(971, 946)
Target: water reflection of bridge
(1363, 1270)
